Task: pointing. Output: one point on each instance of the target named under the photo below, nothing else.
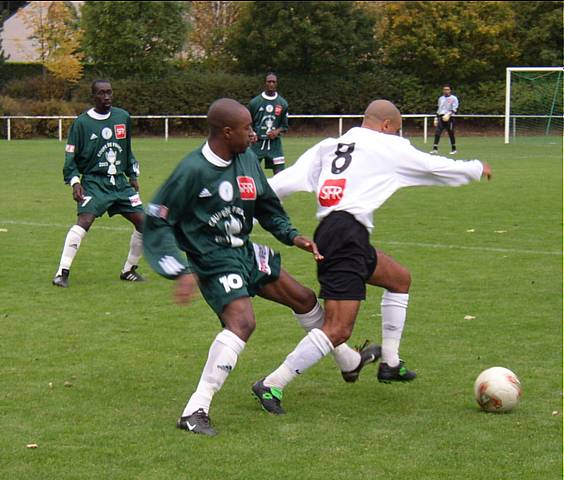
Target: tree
(211, 22)
(125, 38)
(302, 37)
(440, 41)
(539, 29)
(54, 27)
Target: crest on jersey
(121, 133)
(332, 191)
(107, 133)
(111, 157)
(269, 108)
(247, 188)
(226, 191)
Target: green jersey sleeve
(132, 166)
(271, 215)
(70, 168)
(284, 119)
(163, 215)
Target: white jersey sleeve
(418, 168)
(302, 176)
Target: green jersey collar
(268, 97)
(98, 116)
(213, 158)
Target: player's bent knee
(306, 301)
(337, 333)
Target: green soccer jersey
(268, 113)
(100, 145)
(206, 208)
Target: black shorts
(349, 260)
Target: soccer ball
(497, 389)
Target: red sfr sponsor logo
(331, 193)
(247, 188)
(120, 131)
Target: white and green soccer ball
(497, 389)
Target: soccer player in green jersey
(102, 171)
(206, 209)
(270, 119)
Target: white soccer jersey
(447, 105)
(359, 171)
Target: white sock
(72, 242)
(394, 311)
(312, 348)
(135, 251)
(222, 358)
(346, 358)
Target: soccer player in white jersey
(447, 108)
(353, 176)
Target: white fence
(424, 116)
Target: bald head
(382, 116)
(226, 112)
(230, 128)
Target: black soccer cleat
(62, 280)
(132, 275)
(268, 397)
(198, 422)
(387, 374)
(368, 354)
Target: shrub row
(191, 91)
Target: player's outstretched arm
(416, 168)
(302, 176)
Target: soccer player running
(447, 108)
(270, 119)
(206, 209)
(102, 171)
(353, 176)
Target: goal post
(555, 94)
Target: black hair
(96, 82)
(270, 73)
(447, 85)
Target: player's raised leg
(70, 248)
(340, 316)
(310, 314)
(129, 272)
(396, 279)
(239, 321)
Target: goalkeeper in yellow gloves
(447, 108)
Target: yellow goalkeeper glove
(446, 117)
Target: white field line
(438, 246)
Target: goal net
(534, 104)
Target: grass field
(96, 375)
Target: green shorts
(271, 151)
(234, 273)
(101, 196)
